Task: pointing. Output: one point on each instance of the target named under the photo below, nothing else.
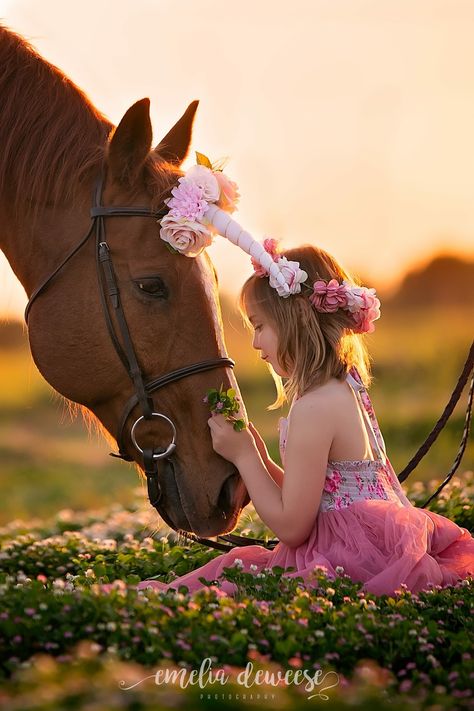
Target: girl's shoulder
(330, 396)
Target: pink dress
(365, 524)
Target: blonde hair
(312, 346)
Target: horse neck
(35, 249)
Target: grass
(65, 643)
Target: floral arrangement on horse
(185, 228)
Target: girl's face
(265, 339)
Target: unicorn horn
(229, 228)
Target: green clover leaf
(225, 402)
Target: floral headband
(200, 207)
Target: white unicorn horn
(229, 228)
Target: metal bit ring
(171, 447)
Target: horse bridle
(109, 292)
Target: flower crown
(326, 296)
(200, 207)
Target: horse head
(172, 312)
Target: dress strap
(375, 436)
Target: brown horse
(53, 146)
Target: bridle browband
(110, 294)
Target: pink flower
(333, 481)
(293, 275)
(327, 298)
(229, 195)
(206, 180)
(295, 661)
(364, 307)
(188, 200)
(270, 245)
(187, 237)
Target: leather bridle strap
(160, 382)
(66, 259)
(124, 346)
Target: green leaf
(231, 393)
(201, 159)
(170, 248)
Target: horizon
(386, 135)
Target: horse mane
(52, 138)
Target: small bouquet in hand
(224, 402)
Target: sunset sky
(349, 124)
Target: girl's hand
(227, 442)
(259, 442)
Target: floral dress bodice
(348, 481)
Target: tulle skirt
(379, 543)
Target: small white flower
(253, 567)
(339, 569)
(238, 562)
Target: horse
(105, 318)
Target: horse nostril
(233, 494)
(227, 494)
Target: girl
(338, 501)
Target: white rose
(188, 238)
(205, 179)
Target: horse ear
(130, 143)
(174, 147)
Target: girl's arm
(292, 510)
(273, 469)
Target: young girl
(338, 501)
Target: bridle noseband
(110, 298)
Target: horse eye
(154, 286)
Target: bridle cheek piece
(111, 303)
